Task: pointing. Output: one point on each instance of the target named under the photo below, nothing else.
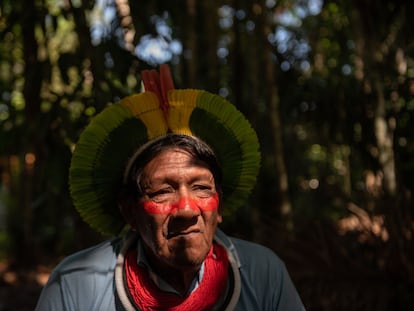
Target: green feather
(228, 132)
(97, 166)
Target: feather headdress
(111, 138)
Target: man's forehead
(175, 156)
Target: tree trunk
(371, 50)
(384, 133)
(30, 143)
(273, 110)
(210, 25)
(190, 48)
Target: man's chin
(188, 251)
(189, 259)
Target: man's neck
(181, 281)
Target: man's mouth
(184, 233)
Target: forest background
(328, 85)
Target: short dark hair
(200, 152)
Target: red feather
(159, 83)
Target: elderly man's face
(178, 215)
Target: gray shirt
(86, 280)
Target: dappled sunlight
(374, 183)
(12, 277)
(365, 225)
(20, 288)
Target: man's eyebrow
(203, 177)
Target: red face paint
(198, 204)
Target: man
(177, 159)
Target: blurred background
(328, 85)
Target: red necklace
(147, 296)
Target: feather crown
(113, 135)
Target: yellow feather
(145, 106)
(181, 105)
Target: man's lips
(174, 234)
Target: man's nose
(187, 206)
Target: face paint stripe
(202, 204)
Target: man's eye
(160, 195)
(203, 191)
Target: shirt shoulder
(249, 252)
(265, 280)
(100, 256)
(83, 280)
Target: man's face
(178, 215)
